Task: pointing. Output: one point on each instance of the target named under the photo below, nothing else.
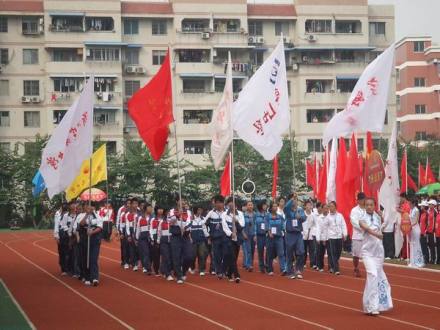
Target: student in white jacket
(337, 233)
(322, 236)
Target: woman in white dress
(377, 292)
(415, 255)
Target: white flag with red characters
(366, 107)
(70, 144)
(261, 114)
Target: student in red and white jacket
(431, 215)
(108, 217)
(131, 218)
(423, 225)
(143, 237)
(437, 235)
(155, 248)
(120, 227)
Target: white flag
(366, 107)
(70, 144)
(220, 126)
(389, 193)
(331, 177)
(261, 113)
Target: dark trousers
(165, 258)
(176, 244)
(200, 252)
(95, 244)
(230, 255)
(310, 251)
(424, 246)
(60, 254)
(211, 260)
(261, 244)
(107, 230)
(65, 252)
(85, 271)
(125, 255)
(144, 253)
(155, 256)
(321, 248)
(335, 249)
(437, 243)
(217, 251)
(76, 258)
(388, 245)
(294, 248)
(431, 246)
(133, 256)
(275, 247)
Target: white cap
(423, 203)
(432, 202)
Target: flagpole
(292, 151)
(426, 170)
(90, 182)
(406, 171)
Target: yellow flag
(99, 173)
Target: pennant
(98, 173)
(366, 107)
(225, 180)
(70, 144)
(261, 114)
(221, 126)
(275, 177)
(38, 184)
(151, 109)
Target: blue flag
(38, 183)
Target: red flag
(352, 173)
(341, 193)
(323, 180)
(369, 143)
(151, 110)
(225, 180)
(275, 177)
(429, 177)
(422, 174)
(311, 174)
(404, 173)
(315, 167)
(411, 183)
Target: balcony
(326, 98)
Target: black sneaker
(237, 280)
(95, 282)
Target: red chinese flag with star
(225, 180)
(275, 177)
(152, 111)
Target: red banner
(375, 171)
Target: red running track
(129, 300)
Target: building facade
(418, 89)
(49, 47)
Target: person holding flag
(356, 214)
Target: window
(317, 57)
(319, 115)
(194, 85)
(345, 56)
(360, 145)
(30, 147)
(29, 25)
(194, 56)
(67, 55)
(197, 116)
(103, 54)
(257, 58)
(282, 27)
(345, 85)
(226, 25)
(194, 147)
(377, 29)
(318, 26)
(132, 56)
(104, 117)
(4, 119)
(419, 82)
(4, 87)
(219, 85)
(348, 27)
(4, 56)
(398, 75)
(131, 26)
(314, 145)
(420, 108)
(319, 86)
(32, 119)
(58, 116)
(31, 87)
(67, 85)
(5, 146)
(289, 93)
(131, 86)
(104, 85)
(30, 56)
(99, 24)
(3, 24)
(195, 25)
(378, 142)
(159, 56)
(419, 46)
(255, 28)
(420, 136)
(158, 27)
(111, 147)
(67, 24)
(386, 117)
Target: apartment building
(418, 88)
(49, 47)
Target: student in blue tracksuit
(274, 243)
(199, 236)
(295, 217)
(260, 234)
(249, 237)
(216, 234)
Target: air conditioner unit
(252, 40)
(25, 99)
(130, 69)
(295, 67)
(206, 35)
(99, 95)
(312, 37)
(305, 59)
(126, 130)
(35, 99)
(140, 69)
(286, 40)
(260, 40)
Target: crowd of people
(171, 243)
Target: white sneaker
(270, 273)
(144, 270)
(299, 276)
(387, 258)
(87, 283)
(170, 278)
(126, 266)
(63, 274)
(95, 282)
(184, 278)
(202, 274)
(337, 273)
(135, 268)
(191, 271)
(292, 277)
(179, 281)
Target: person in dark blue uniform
(274, 243)
(216, 234)
(260, 234)
(249, 237)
